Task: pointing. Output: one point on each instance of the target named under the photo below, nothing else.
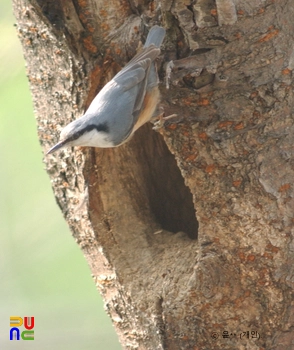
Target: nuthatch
(124, 104)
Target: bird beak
(59, 145)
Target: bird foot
(162, 119)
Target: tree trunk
(228, 154)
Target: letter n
(14, 333)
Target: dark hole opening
(170, 200)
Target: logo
(16, 322)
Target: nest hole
(169, 199)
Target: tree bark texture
(228, 155)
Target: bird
(123, 105)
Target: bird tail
(155, 36)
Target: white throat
(94, 138)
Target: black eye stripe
(100, 127)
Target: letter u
(29, 322)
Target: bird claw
(161, 120)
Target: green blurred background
(43, 272)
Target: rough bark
(228, 154)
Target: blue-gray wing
(133, 81)
(134, 76)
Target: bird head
(84, 132)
